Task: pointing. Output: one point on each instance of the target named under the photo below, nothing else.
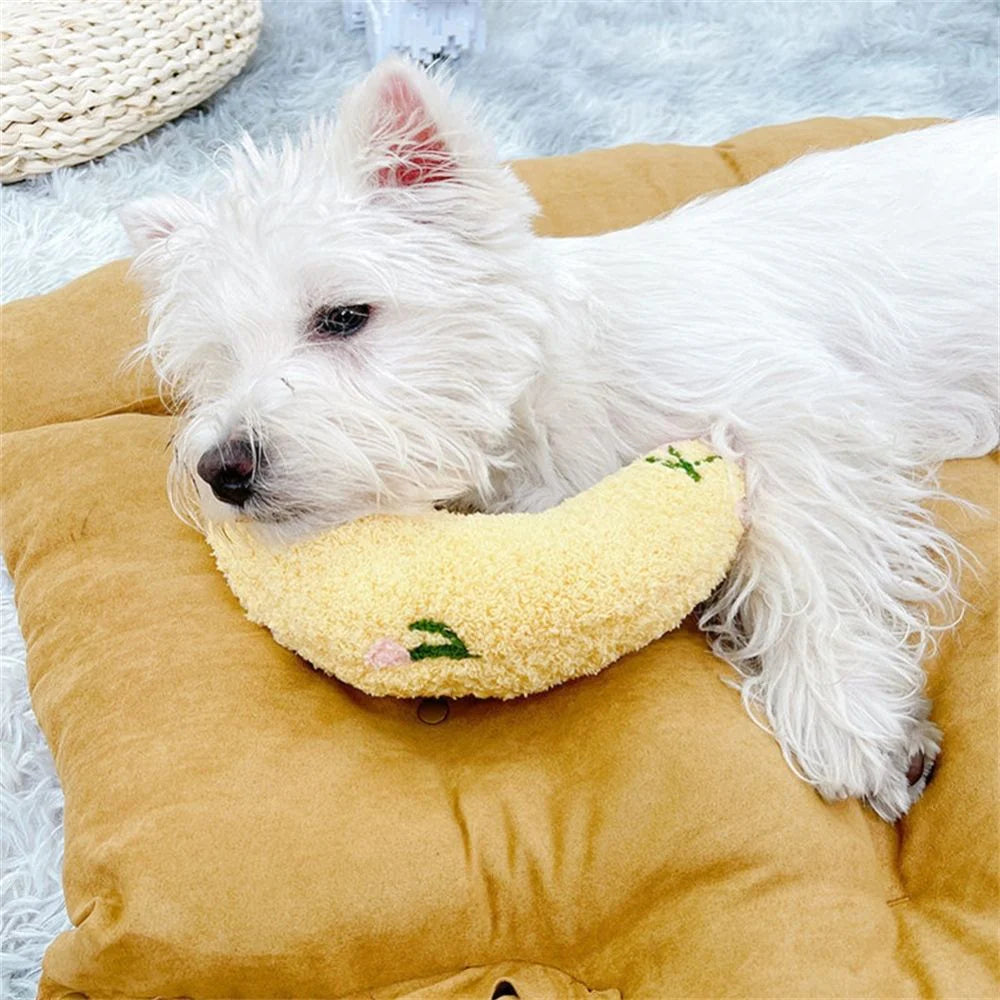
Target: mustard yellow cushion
(238, 824)
(498, 606)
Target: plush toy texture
(446, 605)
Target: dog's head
(345, 322)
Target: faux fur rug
(556, 77)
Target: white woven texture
(79, 78)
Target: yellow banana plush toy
(498, 605)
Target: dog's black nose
(229, 470)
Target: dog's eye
(339, 321)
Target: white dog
(367, 323)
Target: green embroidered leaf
(435, 628)
(453, 648)
(427, 650)
(682, 463)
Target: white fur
(833, 324)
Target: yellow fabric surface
(533, 599)
(240, 825)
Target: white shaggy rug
(556, 77)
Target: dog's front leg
(827, 614)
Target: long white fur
(833, 324)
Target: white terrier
(367, 323)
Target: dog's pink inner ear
(413, 141)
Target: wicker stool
(80, 78)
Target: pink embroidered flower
(387, 653)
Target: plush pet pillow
(498, 605)
(238, 824)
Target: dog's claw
(916, 769)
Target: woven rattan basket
(79, 78)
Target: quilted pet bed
(238, 824)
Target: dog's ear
(402, 135)
(398, 124)
(150, 221)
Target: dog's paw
(907, 772)
(889, 780)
